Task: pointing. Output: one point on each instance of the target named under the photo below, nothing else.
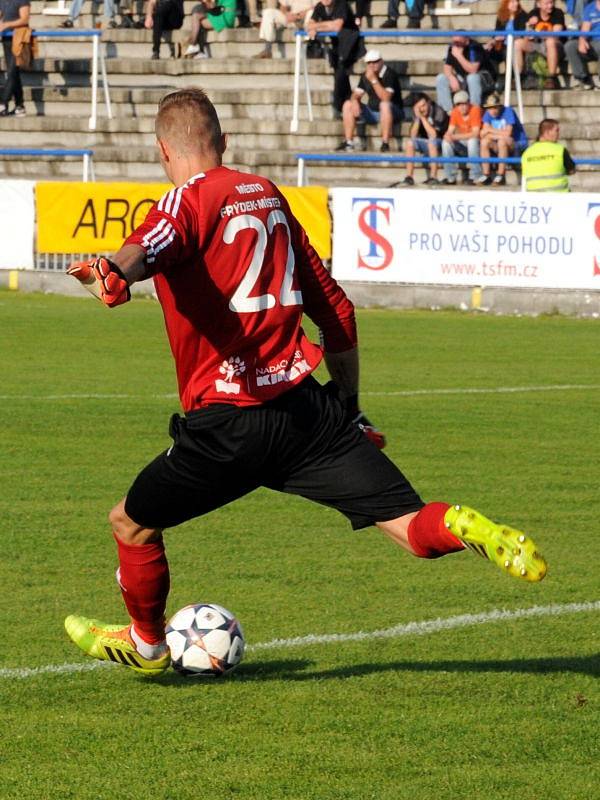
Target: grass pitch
(507, 709)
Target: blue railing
(97, 57)
(360, 158)
(84, 153)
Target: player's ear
(223, 143)
(163, 150)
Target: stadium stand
(254, 98)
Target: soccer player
(234, 272)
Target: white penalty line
(568, 387)
(422, 628)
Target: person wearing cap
(379, 86)
(546, 164)
(462, 137)
(502, 135)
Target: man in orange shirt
(462, 138)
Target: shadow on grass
(298, 670)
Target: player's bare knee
(127, 530)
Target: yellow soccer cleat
(112, 643)
(511, 550)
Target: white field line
(407, 629)
(401, 393)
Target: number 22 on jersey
(241, 302)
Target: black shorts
(301, 443)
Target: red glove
(370, 431)
(103, 279)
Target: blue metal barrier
(360, 158)
(97, 56)
(88, 165)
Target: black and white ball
(205, 640)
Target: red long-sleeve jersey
(234, 271)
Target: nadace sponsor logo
(374, 219)
(279, 372)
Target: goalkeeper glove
(103, 278)
(357, 418)
(370, 431)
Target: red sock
(427, 534)
(144, 580)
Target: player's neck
(185, 168)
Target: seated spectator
(336, 16)
(510, 17)
(290, 14)
(462, 137)
(380, 86)
(545, 17)
(466, 66)
(75, 11)
(430, 122)
(502, 135)
(415, 10)
(208, 16)
(585, 49)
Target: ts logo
(372, 217)
(594, 213)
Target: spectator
(336, 16)
(546, 163)
(585, 49)
(75, 11)
(363, 11)
(13, 14)
(545, 17)
(290, 14)
(415, 10)
(127, 14)
(510, 17)
(163, 16)
(462, 137)
(380, 86)
(502, 135)
(208, 16)
(430, 122)
(466, 66)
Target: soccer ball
(205, 640)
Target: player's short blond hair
(188, 120)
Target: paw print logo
(233, 368)
(230, 369)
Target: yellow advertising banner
(96, 217)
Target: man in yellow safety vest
(546, 163)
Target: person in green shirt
(208, 16)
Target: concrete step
(69, 125)
(117, 45)
(378, 7)
(260, 104)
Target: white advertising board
(476, 238)
(16, 224)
